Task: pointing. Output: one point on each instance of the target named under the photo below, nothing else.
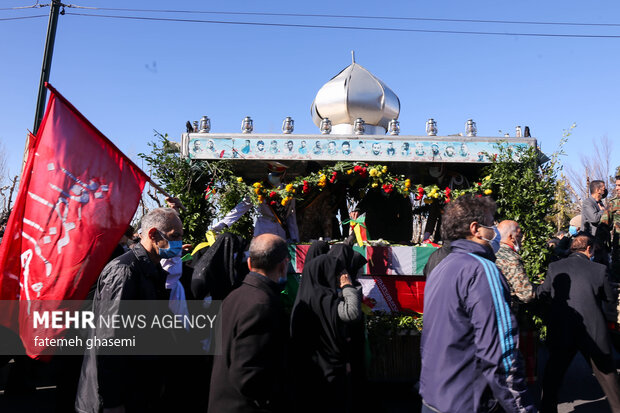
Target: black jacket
(576, 290)
(133, 381)
(249, 375)
(436, 257)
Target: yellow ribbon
(210, 241)
(357, 225)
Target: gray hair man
(510, 264)
(110, 381)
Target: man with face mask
(129, 384)
(470, 361)
(250, 375)
(592, 208)
(273, 217)
(509, 263)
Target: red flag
(77, 195)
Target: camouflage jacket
(611, 218)
(510, 264)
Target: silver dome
(355, 93)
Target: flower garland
(371, 176)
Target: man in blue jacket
(470, 361)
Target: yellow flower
(261, 198)
(256, 191)
(349, 172)
(293, 191)
(374, 185)
(288, 187)
(435, 195)
(378, 174)
(407, 183)
(488, 192)
(487, 178)
(257, 185)
(240, 179)
(373, 172)
(284, 201)
(384, 170)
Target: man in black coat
(577, 289)
(124, 384)
(249, 376)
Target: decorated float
(360, 158)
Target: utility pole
(47, 62)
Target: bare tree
(7, 184)
(594, 166)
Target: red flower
(448, 190)
(478, 183)
(273, 203)
(479, 196)
(420, 194)
(388, 188)
(364, 172)
(272, 194)
(447, 199)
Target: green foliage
(206, 189)
(185, 179)
(525, 191)
(231, 193)
(384, 324)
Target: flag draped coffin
(77, 196)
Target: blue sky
(130, 77)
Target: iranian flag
(76, 198)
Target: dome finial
(353, 56)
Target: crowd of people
(322, 335)
(309, 355)
(473, 308)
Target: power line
(36, 5)
(350, 16)
(23, 17)
(314, 26)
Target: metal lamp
(394, 127)
(470, 128)
(431, 127)
(205, 124)
(326, 126)
(358, 126)
(247, 125)
(288, 125)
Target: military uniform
(510, 264)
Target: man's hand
(174, 203)
(344, 280)
(354, 214)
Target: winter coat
(469, 342)
(132, 381)
(249, 376)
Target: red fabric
(77, 196)
(300, 257)
(405, 292)
(378, 259)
